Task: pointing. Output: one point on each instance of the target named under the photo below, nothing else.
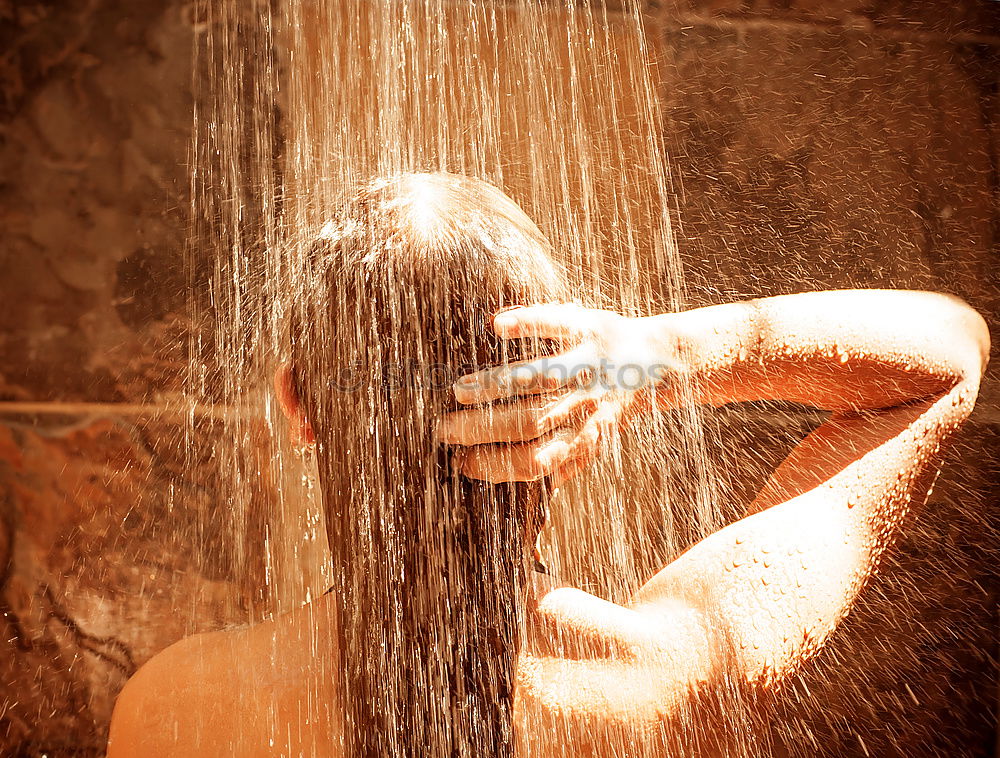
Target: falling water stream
(556, 103)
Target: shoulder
(160, 710)
(227, 692)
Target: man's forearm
(843, 351)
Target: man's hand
(551, 416)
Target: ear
(291, 405)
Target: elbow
(971, 331)
(980, 333)
(977, 337)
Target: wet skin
(899, 371)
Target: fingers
(571, 408)
(549, 321)
(505, 422)
(563, 453)
(523, 462)
(570, 469)
(600, 428)
(527, 377)
(518, 421)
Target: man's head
(396, 301)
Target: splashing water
(300, 103)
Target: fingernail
(504, 321)
(548, 457)
(544, 425)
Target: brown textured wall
(813, 144)
(96, 113)
(110, 547)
